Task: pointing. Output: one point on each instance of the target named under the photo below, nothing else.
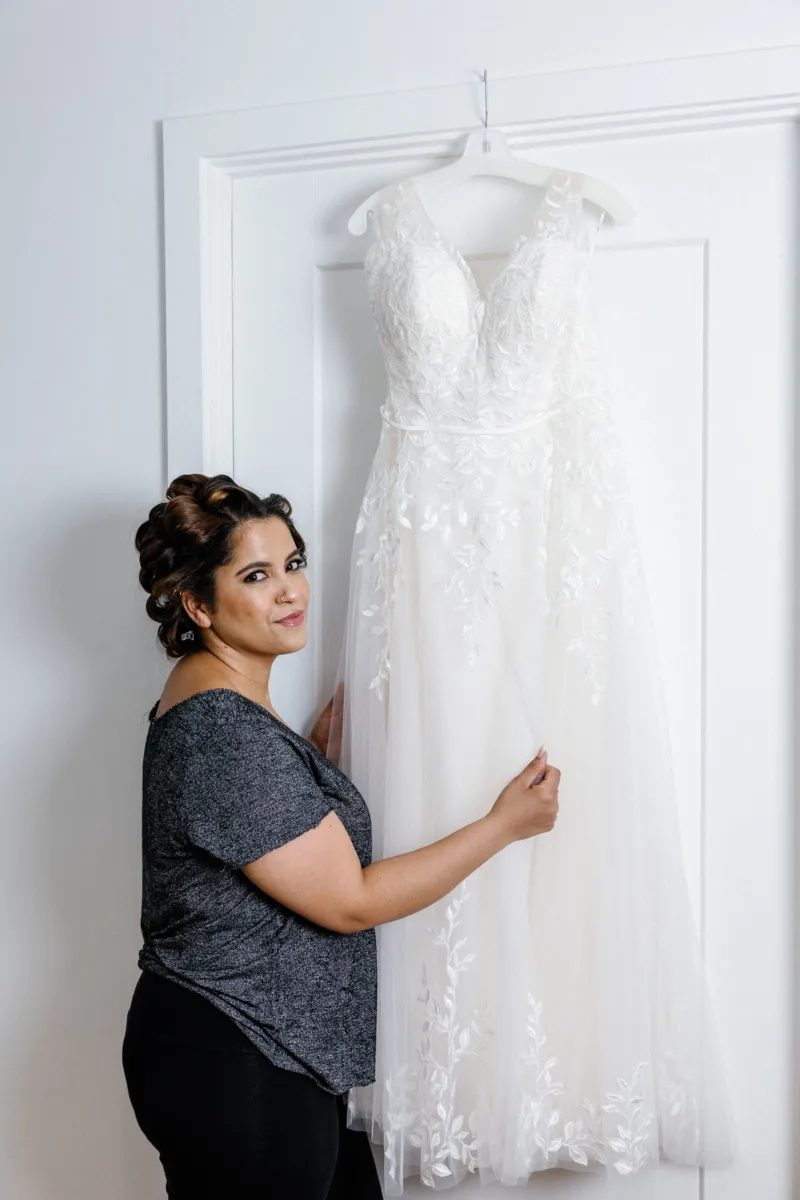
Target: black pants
(227, 1123)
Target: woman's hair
(183, 542)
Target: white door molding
(203, 156)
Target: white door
(695, 299)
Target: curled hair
(183, 542)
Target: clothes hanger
(486, 152)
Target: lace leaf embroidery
(421, 1099)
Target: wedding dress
(551, 1011)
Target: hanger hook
(486, 143)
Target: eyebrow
(251, 566)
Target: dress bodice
(456, 357)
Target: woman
(254, 1013)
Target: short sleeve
(247, 791)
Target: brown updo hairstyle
(183, 542)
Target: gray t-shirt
(223, 782)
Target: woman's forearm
(395, 887)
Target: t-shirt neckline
(154, 720)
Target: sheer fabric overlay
(552, 1010)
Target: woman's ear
(195, 611)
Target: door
(695, 301)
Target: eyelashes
(296, 564)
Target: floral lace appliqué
(421, 1101)
(422, 1107)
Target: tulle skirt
(551, 1011)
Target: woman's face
(262, 594)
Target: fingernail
(540, 751)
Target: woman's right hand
(327, 732)
(526, 807)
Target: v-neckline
(559, 177)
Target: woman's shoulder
(222, 723)
(219, 734)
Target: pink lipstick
(295, 618)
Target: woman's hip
(216, 1109)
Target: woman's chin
(292, 640)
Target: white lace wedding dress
(551, 1011)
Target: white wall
(83, 86)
